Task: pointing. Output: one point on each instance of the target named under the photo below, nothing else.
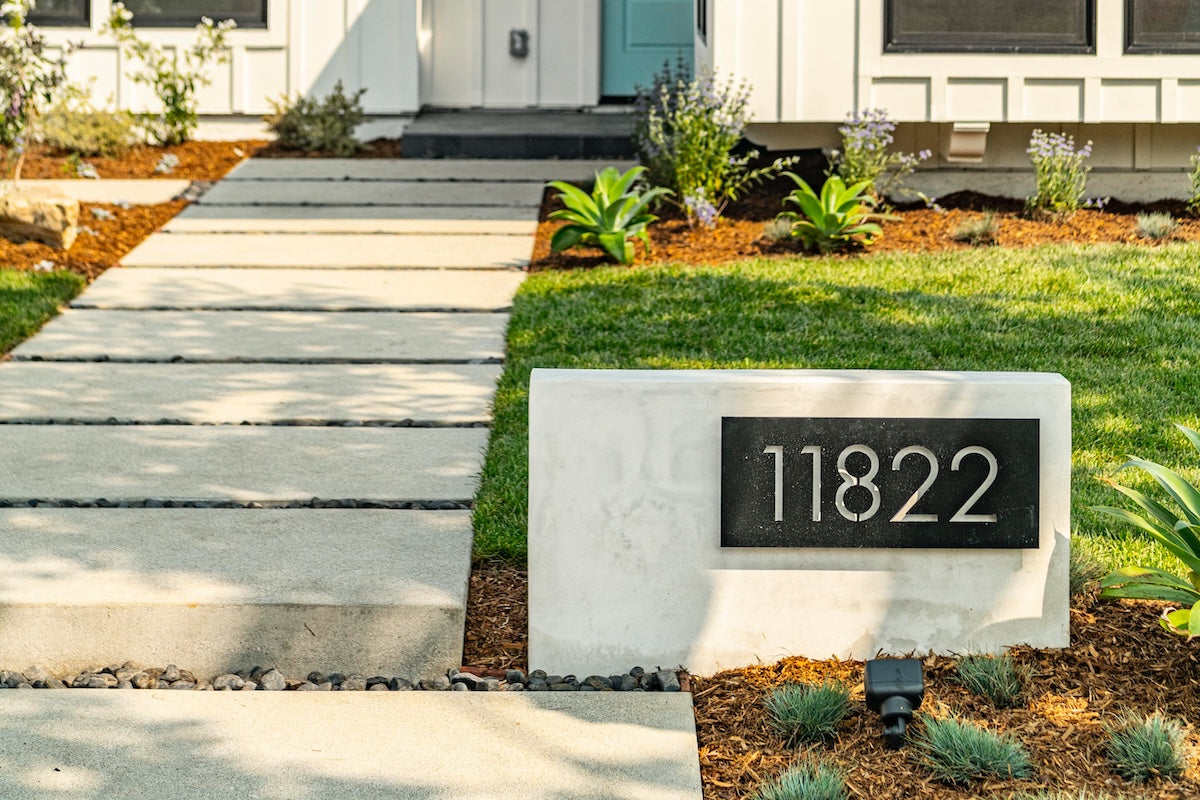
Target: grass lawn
(28, 299)
(1122, 324)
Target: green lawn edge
(29, 299)
(1121, 322)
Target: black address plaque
(879, 482)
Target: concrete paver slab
(238, 463)
(268, 336)
(215, 590)
(441, 169)
(254, 393)
(355, 219)
(333, 290)
(331, 251)
(370, 193)
(367, 746)
(115, 190)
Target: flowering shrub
(28, 77)
(173, 78)
(1061, 173)
(864, 156)
(686, 130)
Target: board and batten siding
(307, 46)
(406, 53)
(812, 61)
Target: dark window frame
(1086, 47)
(702, 20)
(82, 21)
(146, 21)
(1134, 47)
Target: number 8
(866, 481)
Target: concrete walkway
(286, 394)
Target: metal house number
(879, 482)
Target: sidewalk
(305, 360)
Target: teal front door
(639, 35)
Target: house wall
(307, 47)
(812, 61)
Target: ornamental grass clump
(978, 231)
(955, 751)
(685, 130)
(1194, 180)
(1145, 747)
(808, 780)
(865, 156)
(1156, 225)
(1060, 173)
(175, 77)
(803, 712)
(998, 678)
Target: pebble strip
(316, 502)
(132, 675)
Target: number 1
(777, 450)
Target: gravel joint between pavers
(132, 675)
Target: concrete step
(519, 134)
(215, 590)
(355, 219)
(232, 394)
(362, 745)
(332, 251)
(268, 336)
(115, 190)
(303, 290)
(510, 194)
(240, 464)
(454, 170)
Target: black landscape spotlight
(894, 687)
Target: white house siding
(307, 46)
(812, 61)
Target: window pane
(172, 13)
(1163, 26)
(997, 25)
(60, 12)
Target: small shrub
(977, 231)
(1084, 570)
(998, 678)
(864, 156)
(30, 72)
(1156, 225)
(958, 752)
(1174, 529)
(1060, 173)
(804, 712)
(808, 780)
(777, 230)
(835, 218)
(1194, 181)
(85, 131)
(1145, 747)
(609, 218)
(175, 77)
(312, 125)
(685, 131)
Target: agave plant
(832, 219)
(609, 218)
(1178, 534)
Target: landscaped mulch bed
(198, 161)
(740, 233)
(1119, 660)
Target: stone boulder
(38, 215)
